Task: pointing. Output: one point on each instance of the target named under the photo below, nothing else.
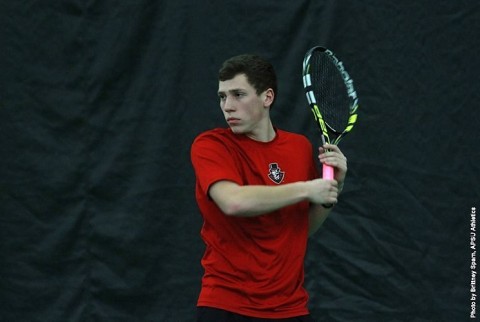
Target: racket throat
(325, 140)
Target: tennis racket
(331, 97)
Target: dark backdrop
(100, 102)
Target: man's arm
(250, 201)
(318, 213)
(316, 216)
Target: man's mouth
(232, 120)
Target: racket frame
(329, 132)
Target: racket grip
(327, 172)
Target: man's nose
(228, 105)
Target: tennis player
(261, 196)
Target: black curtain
(101, 100)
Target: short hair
(259, 72)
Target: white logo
(275, 173)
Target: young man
(260, 197)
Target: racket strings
(330, 92)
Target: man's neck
(265, 136)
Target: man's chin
(237, 130)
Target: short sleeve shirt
(253, 266)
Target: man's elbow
(237, 207)
(226, 196)
(234, 209)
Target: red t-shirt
(253, 266)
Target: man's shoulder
(217, 134)
(292, 136)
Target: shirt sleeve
(212, 162)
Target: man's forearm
(316, 216)
(252, 200)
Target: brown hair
(259, 72)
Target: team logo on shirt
(275, 173)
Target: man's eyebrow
(233, 90)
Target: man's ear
(268, 97)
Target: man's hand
(335, 158)
(322, 191)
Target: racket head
(330, 93)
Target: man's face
(244, 110)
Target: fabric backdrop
(101, 100)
